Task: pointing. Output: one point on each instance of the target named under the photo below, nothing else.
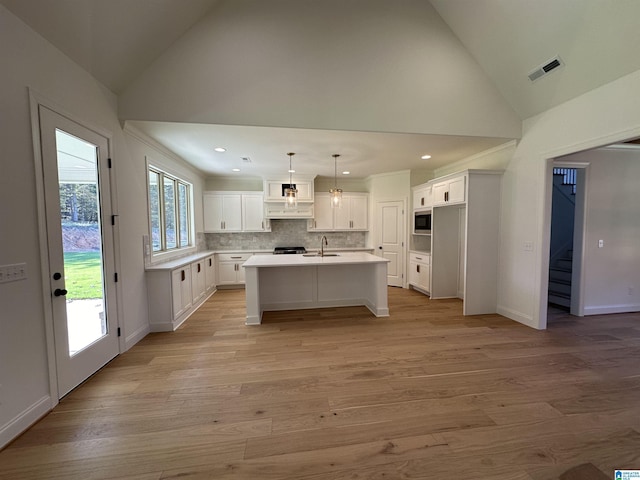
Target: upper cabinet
(274, 189)
(253, 213)
(422, 197)
(450, 191)
(222, 212)
(226, 212)
(274, 197)
(353, 215)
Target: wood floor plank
(337, 394)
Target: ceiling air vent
(543, 70)
(246, 160)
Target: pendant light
(291, 193)
(336, 193)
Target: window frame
(163, 178)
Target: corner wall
(606, 115)
(611, 274)
(29, 61)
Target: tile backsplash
(284, 233)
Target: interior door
(390, 226)
(80, 247)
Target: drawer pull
(236, 257)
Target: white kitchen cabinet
(465, 239)
(353, 215)
(450, 191)
(210, 273)
(274, 189)
(230, 271)
(198, 281)
(181, 290)
(322, 214)
(222, 212)
(176, 289)
(420, 271)
(253, 219)
(227, 212)
(422, 197)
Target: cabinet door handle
(418, 268)
(422, 201)
(198, 268)
(209, 262)
(183, 277)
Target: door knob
(58, 292)
(57, 276)
(380, 247)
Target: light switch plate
(13, 273)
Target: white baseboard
(28, 417)
(517, 316)
(605, 309)
(136, 336)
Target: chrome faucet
(323, 242)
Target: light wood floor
(338, 394)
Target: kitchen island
(292, 282)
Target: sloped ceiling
(114, 40)
(341, 65)
(597, 40)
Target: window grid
(169, 211)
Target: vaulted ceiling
(439, 71)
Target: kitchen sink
(318, 255)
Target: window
(169, 211)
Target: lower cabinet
(420, 271)
(198, 288)
(175, 291)
(181, 291)
(230, 271)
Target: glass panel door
(81, 240)
(80, 248)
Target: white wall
(603, 116)
(612, 215)
(366, 65)
(29, 61)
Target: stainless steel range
(289, 250)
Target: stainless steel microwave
(422, 223)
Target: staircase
(560, 265)
(560, 280)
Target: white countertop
(186, 260)
(345, 258)
(420, 252)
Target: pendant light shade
(336, 193)
(291, 193)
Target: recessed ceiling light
(346, 173)
(220, 149)
(236, 169)
(425, 157)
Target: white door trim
(403, 264)
(35, 101)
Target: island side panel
(343, 285)
(377, 291)
(288, 288)
(252, 292)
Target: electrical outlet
(600, 243)
(13, 273)
(528, 246)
